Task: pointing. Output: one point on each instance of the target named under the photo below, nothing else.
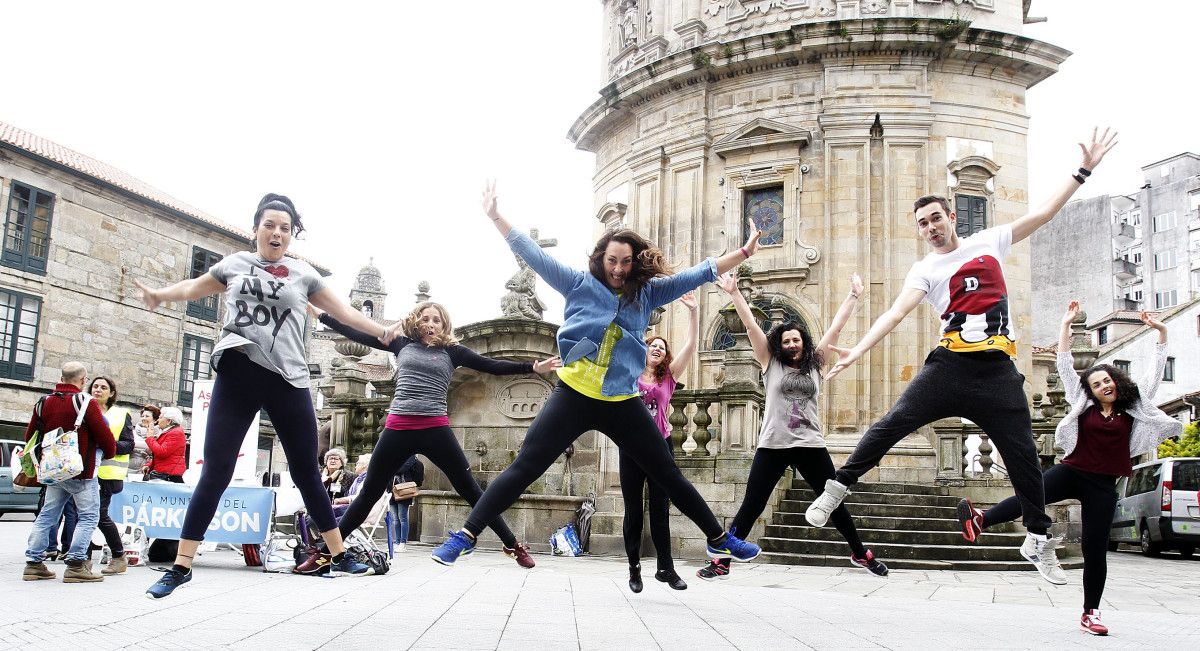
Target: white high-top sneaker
(818, 512)
(1040, 550)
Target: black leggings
(242, 389)
(106, 525)
(632, 480)
(984, 388)
(566, 415)
(1097, 495)
(439, 446)
(814, 465)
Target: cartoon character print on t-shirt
(651, 404)
(258, 299)
(978, 310)
(798, 389)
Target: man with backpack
(64, 410)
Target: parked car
(10, 500)
(1157, 507)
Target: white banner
(246, 469)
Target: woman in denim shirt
(607, 309)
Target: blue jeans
(400, 517)
(67, 523)
(85, 493)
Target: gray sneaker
(825, 504)
(1041, 551)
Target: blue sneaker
(167, 584)
(351, 566)
(457, 546)
(735, 548)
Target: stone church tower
(823, 120)
(368, 294)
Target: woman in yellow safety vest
(111, 472)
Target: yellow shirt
(586, 376)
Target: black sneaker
(869, 563)
(714, 570)
(671, 578)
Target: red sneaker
(971, 519)
(317, 562)
(1090, 623)
(520, 552)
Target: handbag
(17, 465)
(61, 459)
(404, 490)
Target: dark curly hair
(1127, 390)
(648, 261)
(809, 359)
(272, 201)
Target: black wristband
(1085, 172)
(1078, 178)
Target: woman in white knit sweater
(1112, 419)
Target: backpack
(60, 455)
(364, 547)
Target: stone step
(918, 523)
(843, 560)
(883, 510)
(891, 535)
(888, 551)
(878, 498)
(883, 487)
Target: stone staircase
(908, 526)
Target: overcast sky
(381, 120)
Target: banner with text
(243, 514)
(246, 468)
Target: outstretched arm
(839, 320)
(326, 300)
(684, 354)
(731, 260)
(1149, 384)
(1093, 153)
(354, 334)
(758, 340)
(908, 299)
(463, 356)
(1064, 361)
(184, 290)
(559, 276)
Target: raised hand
(149, 296)
(728, 282)
(1094, 151)
(489, 200)
(1072, 312)
(846, 357)
(755, 234)
(547, 365)
(856, 284)
(689, 301)
(1152, 321)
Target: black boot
(635, 578)
(671, 578)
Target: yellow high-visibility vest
(118, 466)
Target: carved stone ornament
(629, 21)
(522, 399)
(521, 301)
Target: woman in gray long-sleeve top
(426, 355)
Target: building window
(1193, 200)
(1102, 336)
(765, 207)
(971, 214)
(19, 317)
(314, 370)
(27, 228)
(1164, 260)
(723, 339)
(1135, 218)
(203, 308)
(1164, 222)
(1122, 365)
(368, 309)
(1137, 256)
(193, 365)
(1169, 370)
(1163, 300)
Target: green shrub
(1188, 445)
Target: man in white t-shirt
(970, 374)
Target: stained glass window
(765, 207)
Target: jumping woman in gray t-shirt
(260, 364)
(791, 429)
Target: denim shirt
(591, 306)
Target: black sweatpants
(393, 449)
(566, 415)
(112, 535)
(984, 388)
(241, 390)
(633, 478)
(1097, 495)
(814, 465)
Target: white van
(1157, 507)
